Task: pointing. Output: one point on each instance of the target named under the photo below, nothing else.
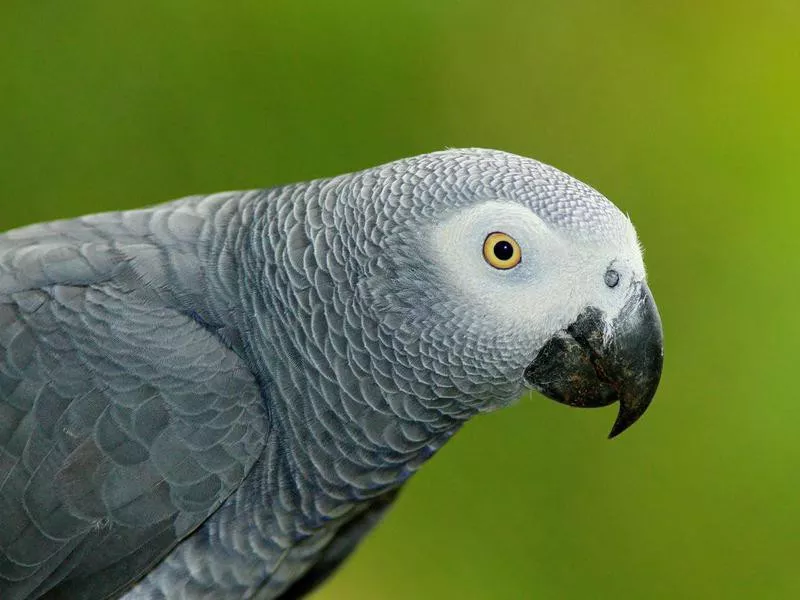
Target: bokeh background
(686, 114)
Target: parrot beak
(592, 364)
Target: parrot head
(498, 274)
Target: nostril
(612, 278)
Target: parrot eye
(501, 251)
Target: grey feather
(217, 397)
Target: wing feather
(123, 423)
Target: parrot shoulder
(123, 425)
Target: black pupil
(503, 250)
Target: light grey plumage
(217, 397)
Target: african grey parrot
(219, 397)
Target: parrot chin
(592, 364)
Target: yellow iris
(501, 251)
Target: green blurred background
(686, 114)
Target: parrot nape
(218, 397)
